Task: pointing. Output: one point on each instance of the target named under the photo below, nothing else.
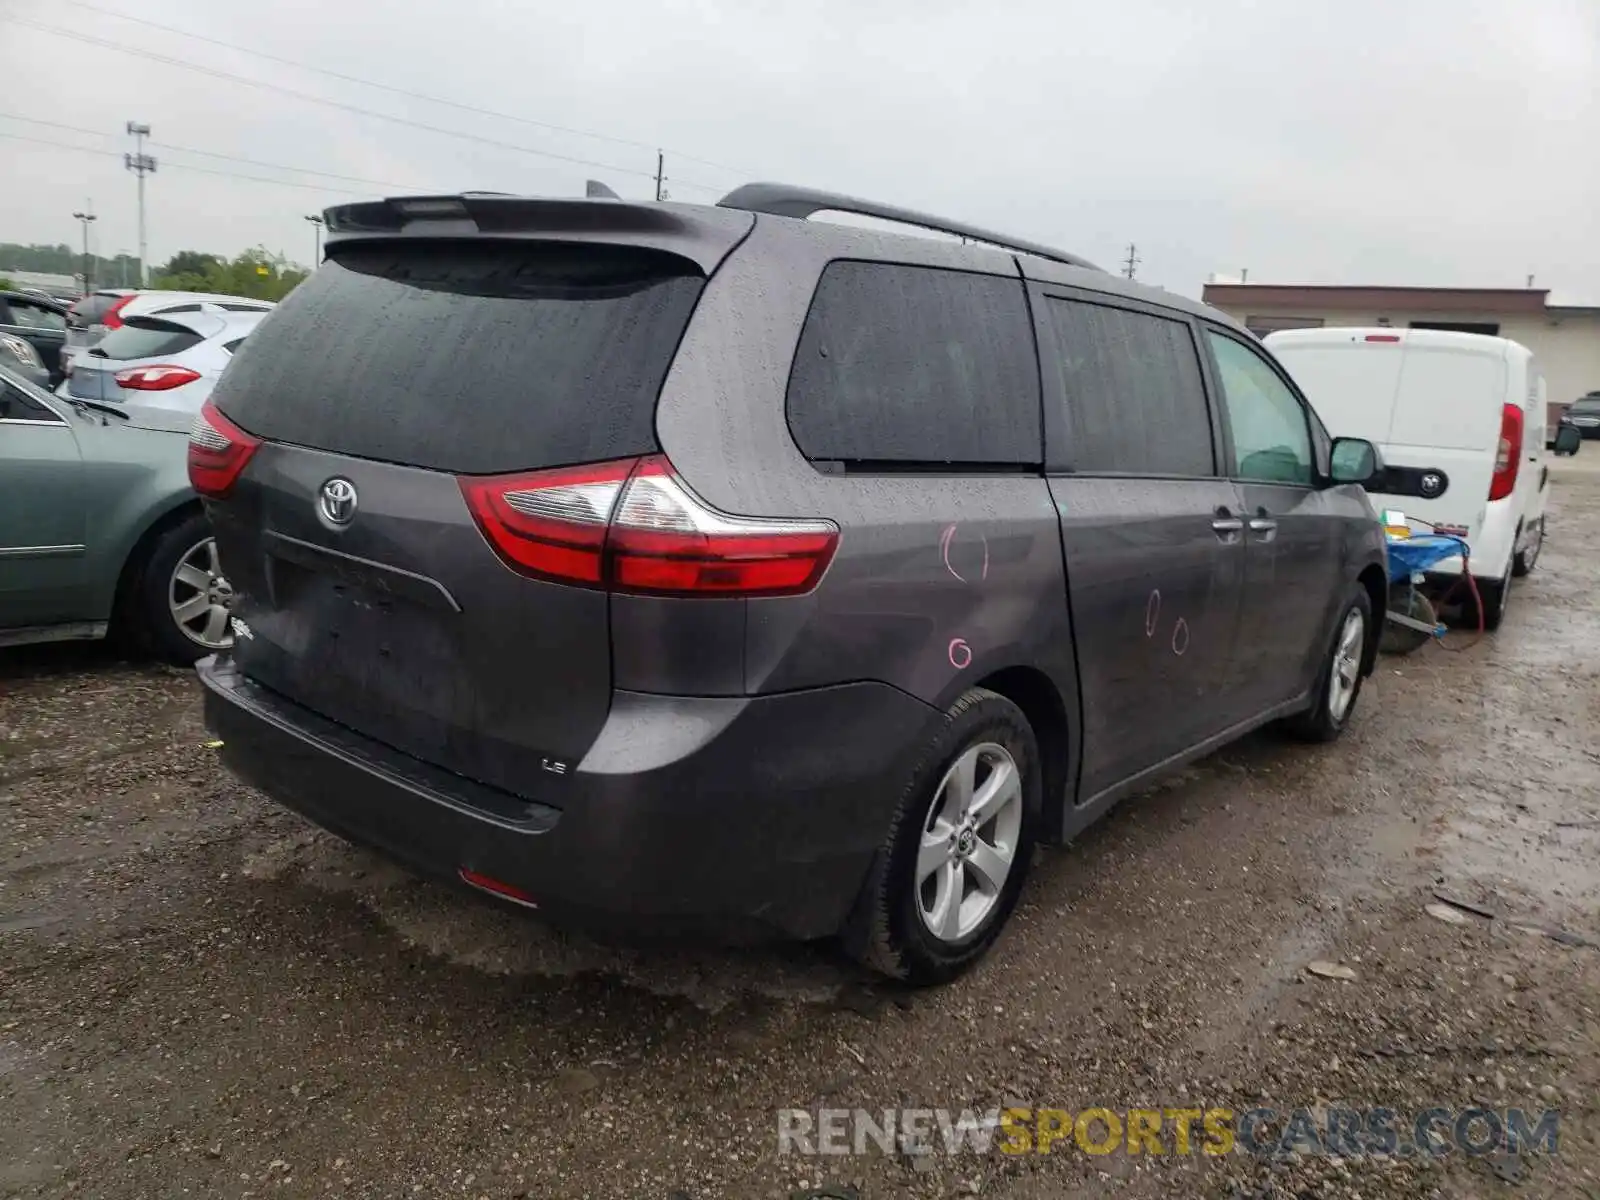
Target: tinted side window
(17, 405)
(35, 316)
(1271, 441)
(916, 365)
(1132, 391)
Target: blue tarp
(1419, 553)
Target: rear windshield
(469, 357)
(145, 337)
(1584, 405)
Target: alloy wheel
(1346, 671)
(969, 842)
(198, 597)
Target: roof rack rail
(782, 200)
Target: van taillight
(1508, 453)
(218, 451)
(633, 526)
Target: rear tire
(180, 577)
(1339, 681)
(931, 906)
(1528, 556)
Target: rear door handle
(1227, 528)
(1262, 525)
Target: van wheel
(182, 599)
(1339, 681)
(948, 875)
(1528, 556)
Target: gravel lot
(200, 995)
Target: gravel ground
(200, 995)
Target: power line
(252, 162)
(399, 91)
(22, 137)
(353, 108)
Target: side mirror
(1568, 440)
(1354, 460)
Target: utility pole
(83, 218)
(316, 254)
(1131, 263)
(661, 175)
(141, 164)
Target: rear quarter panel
(938, 580)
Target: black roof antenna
(595, 190)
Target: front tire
(1339, 681)
(949, 873)
(181, 603)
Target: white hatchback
(158, 370)
(93, 316)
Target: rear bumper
(729, 818)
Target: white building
(1565, 339)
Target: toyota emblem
(337, 502)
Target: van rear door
(401, 371)
(1423, 402)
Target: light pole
(141, 164)
(316, 253)
(83, 219)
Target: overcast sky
(1324, 141)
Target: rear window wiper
(81, 403)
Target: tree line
(257, 273)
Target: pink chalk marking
(960, 654)
(1182, 627)
(1152, 613)
(946, 538)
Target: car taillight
(155, 379)
(218, 451)
(634, 526)
(112, 318)
(1508, 453)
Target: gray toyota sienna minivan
(711, 570)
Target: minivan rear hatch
(404, 366)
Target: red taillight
(155, 379)
(112, 318)
(634, 526)
(1508, 453)
(218, 451)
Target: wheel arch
(1031, 690)
(133, 561)
(1375, 580)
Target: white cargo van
(1469, 407)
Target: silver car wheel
(1346, 672)
(198, 597)
(969, 841)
